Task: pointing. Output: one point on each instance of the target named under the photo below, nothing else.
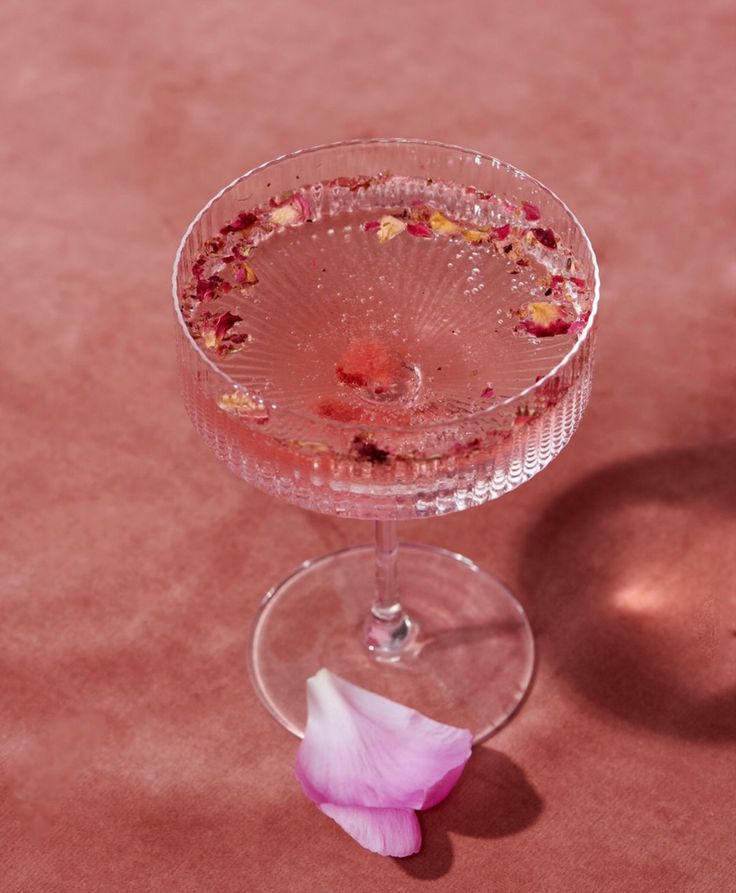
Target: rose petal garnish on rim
(365, 760)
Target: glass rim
(497, 408)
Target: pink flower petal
(371, 225)
(389, 832)
(487, 392)
(361, 749)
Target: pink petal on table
(389, 832)
(361, 749)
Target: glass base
(469, 661)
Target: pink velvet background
(134, 754)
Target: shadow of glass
(627, 576)
(493, 799)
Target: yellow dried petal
(443, 225)
(390, 227)
(314, 445)
(284, 216)
(542, 313)
(476, 235)
(250, 276)
(242, 404)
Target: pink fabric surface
(134, 754)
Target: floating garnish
(443, 225)
(389, 227)
(531, 212)
(364, 447)
(544, 236)
(243, 405)
(543, 319)
(244, 274)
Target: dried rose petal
(361, 750)
(463, 449)
(284, 215)
(556, 280)
(295, 208)
(215, 328)
(487, 392)
(390, 227)
(576, 281)
(338, 410)
(244, 274)
(300, 201)
(502, 232)
(419, 229)
(207, 288)
(531, 212)
(543, 319)
(443, 225)
(364, 448)
(244, 406)
(244, 220)
(353, 183)
(388, 832)
(213, 245)
(476, 235)
(371, 226)
(420, 211)
(545, 236)
(579, 324)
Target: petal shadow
(493, 799)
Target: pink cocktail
(384, 330)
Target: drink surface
(385, 301)
(375, 344)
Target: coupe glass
(418, 624)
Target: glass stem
(389, 630)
